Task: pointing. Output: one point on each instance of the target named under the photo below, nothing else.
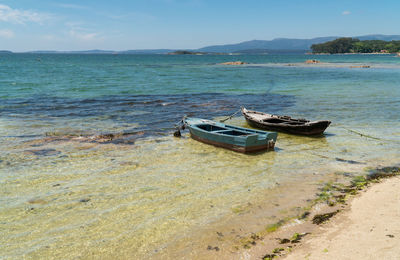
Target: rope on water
(229, 117)
(363, 135)
(369, 136)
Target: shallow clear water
(70, 191)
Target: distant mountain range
(287, 44)
(149, 51)
(279, 45)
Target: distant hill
(287, 44)
(155, 51)
(279, 45)
(150, 51)
(269, 51)
(72, 52)
(379, 37)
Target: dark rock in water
(107, 136)
(36, 145)
(37, 201)
(43, 152)
(136, 164)
(213, 248)
(348, 161)
(153, 115)
(346, 174)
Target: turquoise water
(71, 191)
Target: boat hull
(302, 127)
(234, 138)
(241, 149)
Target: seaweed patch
(322, 218)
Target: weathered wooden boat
(235, 138)
(284, 123)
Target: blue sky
(183, 24)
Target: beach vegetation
(238, 210)
(359, 182)
(297, 237)
(278, 250)
(269, 256)
(275, 226)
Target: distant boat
(284, 123)
(235, 138)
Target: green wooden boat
(235, 138)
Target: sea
(89, 167)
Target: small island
(187, 53)
(353, 45)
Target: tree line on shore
(353, 45)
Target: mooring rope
(368, 136)
(180, 126)
(363, 135)
(229, 117)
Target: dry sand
(368, 229)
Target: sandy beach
(364, 227)
(368, 229)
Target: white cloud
(84, 36)
(78, 32)
(72, 6)
(135, 16)
(8, 14)
(346, 12)
(8, 34)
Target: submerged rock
(361, 66)
(43, 152)
(234, 63)
(347, 161)
(37, 201)
(312, 61)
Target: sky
(27, 25)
